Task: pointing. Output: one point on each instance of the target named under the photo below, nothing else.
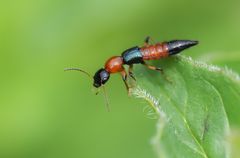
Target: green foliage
(46, 113)
(197, 105)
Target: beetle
(137, 55)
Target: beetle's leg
(124, 78)
(153, 67)
(157, 69)
(130, 72)
(147, 41)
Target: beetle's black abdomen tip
(176, 46)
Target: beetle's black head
(100, 77)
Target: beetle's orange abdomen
(153, 52)
(114, 64)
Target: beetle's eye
(105, 78)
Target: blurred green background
(48, 113)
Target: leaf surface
(196, 105)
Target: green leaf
(197, 105)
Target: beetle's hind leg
(148, 40)
(157, 69)
(153, 67)
(130, 72)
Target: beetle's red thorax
(114, 64)
(156, 51)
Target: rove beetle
(137, 55)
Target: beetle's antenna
(106, 98)
(77, 69)
(104, 90)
